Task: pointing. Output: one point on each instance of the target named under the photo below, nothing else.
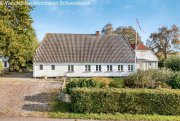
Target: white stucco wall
(146, 54)
(3, 60)
(61, 69)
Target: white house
(83, 55)
(5, 62)
(146, 59)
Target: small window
(120, 68)
(130, 67)
(52, 67)
(98, 67)
(71, 68)
(41, 67)
(109, 67)
(5, 64)
(87, 68)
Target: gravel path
(26, 96)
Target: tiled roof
(140, 46)
(79, 48)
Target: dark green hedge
(139, 101)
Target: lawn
(62, 110)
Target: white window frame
(109, 68)
(87, 68)
(40, 67)
(53, 67)
(120, 67)
(98, 68)
(70, 68)
(130, 67)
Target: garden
(144, 95)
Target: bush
(135, 101)
(149, 79)
(117, 83)
(175, 82)
(173, 63)
(84, 82)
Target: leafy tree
(107, 29)
(129, 32)
(165, 41)
(17, 37)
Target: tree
(165, 41)
(17, 37)
(107, 29)
(129, 32)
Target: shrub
(175, 82)
(173, 63)
(117, 83)
(135, 101)
(149, 79)
(83, 82)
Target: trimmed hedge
(83, 82)
(135, 101)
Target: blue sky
(87, 19)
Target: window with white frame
(87, 68)
(130, 67)
(52, 67)
(98, 67)
(40, 67)
(109, 68)
(71, 68)
(120, 68)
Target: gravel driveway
(26, 96)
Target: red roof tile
(140, 46)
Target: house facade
(83, 55)
(5, 62)
(146, 59)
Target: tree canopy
(129, 32)
(17, 36)
(165, 41)
(107, 29)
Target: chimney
(97, 33)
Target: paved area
(25, 96)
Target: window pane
(41, 67)
(122, 68)
(129, 68)
(99, 67)
(52, 67)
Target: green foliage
(1, 67)
(165, 41)
(84, 82)
(175, 82)
(135, 101)
(107, 29)
(17, 37)
(129, 32)
(117, 83)
(173, 63)
(149, 79)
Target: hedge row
(135, 101)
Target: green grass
(62, 110)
